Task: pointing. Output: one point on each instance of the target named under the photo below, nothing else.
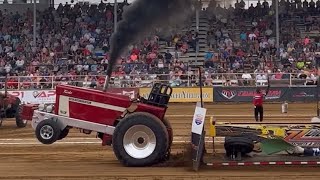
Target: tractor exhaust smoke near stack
(142, 16)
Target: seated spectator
(246, 78)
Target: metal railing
(18, 1)
(147, 80)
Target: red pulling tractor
(136, 129)
(10, 107)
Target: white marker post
(197, 136)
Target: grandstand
(236, 45)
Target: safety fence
(192, 94)
(147, 80)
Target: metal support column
(34, 23)
(318, 84)
(277, 28)
(115, 14)
(197, 29)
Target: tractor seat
(160, 95)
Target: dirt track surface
(82, 156)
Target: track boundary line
(32, 139)
(81, 142)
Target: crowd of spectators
(254, 48)
(73, 45)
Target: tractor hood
(94, 95)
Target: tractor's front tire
(19, 122)
(48, 131)
(140, 139)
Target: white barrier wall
(35, 96)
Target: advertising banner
(49, 96)
(35, 96)
(245, 94)
(305, 94)
(184, 94)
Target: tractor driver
(258, 103)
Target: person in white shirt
(19, 64)
(246, 77)
(92, 40)
(104, 61)
(87, 36)
(263, 44)
(8, 67)
(259, 77)
(90, 47)
(75, 47)
(86, 67)
(252, 36)
(79, 67)
(284, 55)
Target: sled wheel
(19, 122)
(238, 146)
(64, 133)
(48, 131)
(170, 133)
(140, 139)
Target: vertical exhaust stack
(106, 83)
(141, 17)
(6, 85)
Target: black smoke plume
(143, 16)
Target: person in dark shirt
(168, 57)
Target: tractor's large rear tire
(140, 139)
(19, 121)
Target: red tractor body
(93, 105)
(117, 119)
(90, 105)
